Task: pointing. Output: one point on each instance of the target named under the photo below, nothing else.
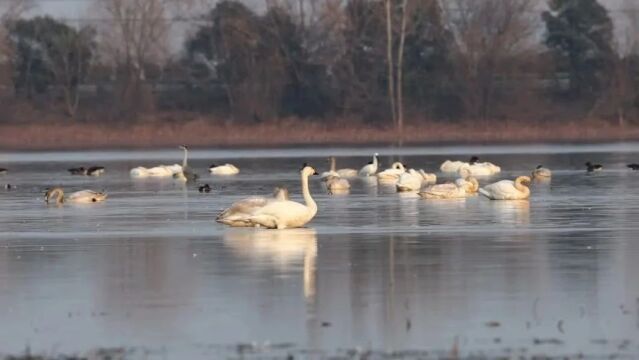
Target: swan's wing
(287, 213)
(345, 173)
(501, 189)
(243, 208)
(441, 191)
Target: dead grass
(291, 132)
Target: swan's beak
(315, 173)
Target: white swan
(185, 174)
(240, 211)
(428, 178)
(410, 181)
(480, 169)
(337, 184)
(282, 214)
(444, 191)
(84, 196)
(223, 170)
(343, 173)
(449, 166)
(371, 168)
(508, 189)
(160, 170)
(541, 172)
(393, 173)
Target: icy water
(150, 271)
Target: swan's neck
(521, 187)
(58, 195)
(333, 164)
(310, 203)
(375, 162)
(184, 161)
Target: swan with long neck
(508, 189)
(85, 196)
(371, 168)
(185, 174)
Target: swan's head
(464, 172)
(212, 166)
(589, 164)
(525, 180)
(376, 154)
(183, 147)
(54, 193)
(308, 170)
(539, 167)
(473, 160)
(398, 166)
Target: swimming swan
(393, 173)
(541, 172)
(508, 189)
(410, 181)
(225, 169)
(449, 166)
(84, 196)
(237, 215)
(343, 173)
(282, 214)
(371, 168)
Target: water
(150, 270)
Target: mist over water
(150, 269)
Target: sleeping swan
(84, 196)
(449, 166)
(337, 184)
(410, 181)
(462, 188)
(280, 214)
(508, 190)
(392, 174)
(541, 172)
(371, 168)
(480, 169)
(160, 170)
(225, 169)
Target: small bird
(593, 167)
(95, 171)
(3, 171)
(204, 188)
(77, 171)
(9, 187)
(633, 166)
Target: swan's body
(444, 191)
(371, 168)
(480, 169)
(393, 173)
(593, 167)
(336, 183)
(508, 189)
(410, 181)
(237, 215)
(162, 170)
(225, 169)
(541, 172)
(84, 196)
(282, 214)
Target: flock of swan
(279, 212)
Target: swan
(3, 171)
(185, 173)
(393, 173)
(480, 169)
(634, 167)
(343, 173)
(410, 181)
(470, 184)
(449, 166)
(160, 170)
(336, 183)
(84, 196)
(226, 169)
(278, 214)
(593, 167)
(541, 172)
(237, 215)
(428, 178)
(445, 191)
(371, 168)
(508, 189)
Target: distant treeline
(377, 61)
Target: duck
(224, 170)
(508, 189)
(593, 167)
(337, 184)
(3, 171)
(449, 166)
(77, 171)
(274, 214)
(84, 196)
(342, 173)
(393, 173)
(634, 167)
(541, 172)
(370, 169)
(410, 181)
(206, 188)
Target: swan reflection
(282, 249)
(515, 212)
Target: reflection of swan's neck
(310, 203)
(333, 163)
(520, 186)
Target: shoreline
(199, 133)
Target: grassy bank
(206, 134)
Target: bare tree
(389, 58)
(9, 12)
(489, 34)
(400, 71)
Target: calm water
(149, 269)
